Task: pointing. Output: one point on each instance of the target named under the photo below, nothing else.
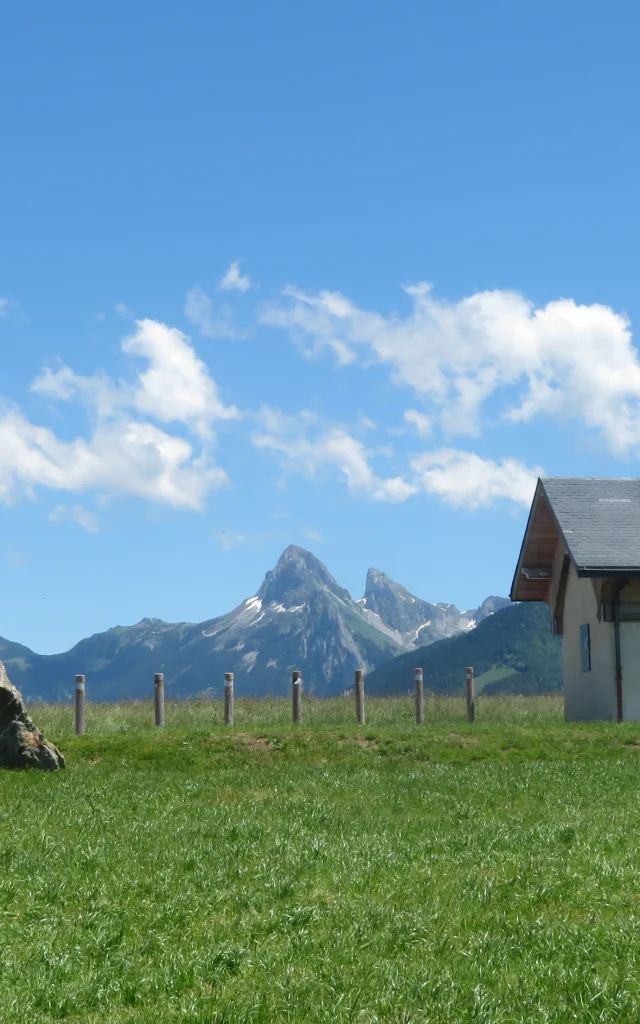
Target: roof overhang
(534, 570)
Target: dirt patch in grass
(461, 741)
(361, 741)
(254, 742)
(246, 739)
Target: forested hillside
(512, 651)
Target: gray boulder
(22, 745)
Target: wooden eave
(538, 550)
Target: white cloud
(460, 478)
(314, 535)
(123, 310)
(176, 387)
(227, 539)
(306, 446)
(421, 422)
(125, 453)
(121, 457)
(234, 280)
(4, 304)
(79, 514)
(465, 479)
(201, 312)
(563, 360)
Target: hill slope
(513, 647)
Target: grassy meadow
(393, 873)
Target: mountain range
(299, 618)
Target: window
(585, 648)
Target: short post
(80, 705)
(359, 691)
(296, 696)
(228, 698)
(419, 697)
(158, 697)
(470, 694)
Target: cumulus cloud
(465, 479)
(563, 360)
(175, 387)
(121, 457)
(304, 445)
(233, 280)
(125, 452)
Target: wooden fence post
(470, 693)
(80, 705)
(359, 691)
(158, 697)
(419, 697)
(296, 696)
(228, 698)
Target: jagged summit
(297, 575)
(417, 622)
(396, 606)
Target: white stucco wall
(590, 696)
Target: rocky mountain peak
(375, 577)
(490, 605)
(296, 577)
(417, 622)
(395, 605)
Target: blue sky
(342, 275)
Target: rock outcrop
(22, 745)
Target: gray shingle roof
(600, 520)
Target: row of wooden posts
(296, 698)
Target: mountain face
(414, 622)
(299, 618)
(512, 651)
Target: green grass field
(449, 873)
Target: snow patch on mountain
(249, 659)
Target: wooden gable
(534, 579)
